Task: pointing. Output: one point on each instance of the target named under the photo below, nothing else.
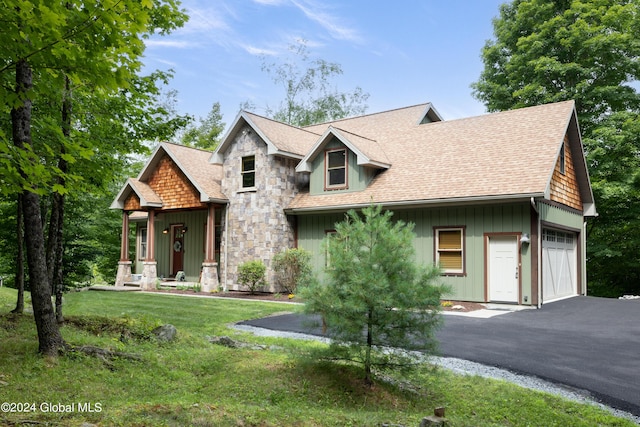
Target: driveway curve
(592, 344)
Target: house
(499, 201)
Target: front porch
(170, 249)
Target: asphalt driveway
(592, 344)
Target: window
(562, 159)
(336, 168)
(248, 172)
(450, 249)
(142, 243)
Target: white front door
(503, 269)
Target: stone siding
(257, 225)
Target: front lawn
(192, 382)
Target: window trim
(247, 172)
(436, 252)
(142, 244)
(345, 185)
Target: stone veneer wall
(257, 225)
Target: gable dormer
(429, 115)
(342, 161)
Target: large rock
(165, 333)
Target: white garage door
(559, 259)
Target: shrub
(292, 268)
(251, 275)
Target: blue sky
(402, 53)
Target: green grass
(192, 382)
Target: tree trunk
(55, 247)
(55, 251)
(19, 258)
(368, 380)
(49, 338)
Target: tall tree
(206, 134)
(376, 297)
(95, 44)
(548, 50)
(310, 96)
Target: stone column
(209, 277)
(124, 265)
(149, 265)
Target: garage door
(559, 259)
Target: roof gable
(201, 178)
(368, 152)
(281, 139)
(147, 198)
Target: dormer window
(248, 172)
(336, 168)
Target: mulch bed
(267, 296)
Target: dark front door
(177, 258)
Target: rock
(458, 307)
(231, 343)
(434, 421)
(630, 297)
(165, 333)
(225, 341)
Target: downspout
(226, 246)
(583, 256)
(539, 249)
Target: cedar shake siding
(132, 203)
(173, 187)
(564, 186)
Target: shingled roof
(281, 139)
(507, 155)
(205, 177)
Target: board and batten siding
(357, 176)
(476, 221)
(193, 245)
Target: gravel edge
(466, 367)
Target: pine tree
(376, 297)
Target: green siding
(193, 242)
(357, 176)
(562, 217)
(477, 220)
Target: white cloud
(168, 43)
(258, 51)
(270, 2)
(314, 11)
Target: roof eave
(427, 203)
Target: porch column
(209, 277)
(124, 265)
(149, 265)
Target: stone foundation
(209, 278)
(124, 273)
(149, 275)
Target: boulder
(165, 333)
